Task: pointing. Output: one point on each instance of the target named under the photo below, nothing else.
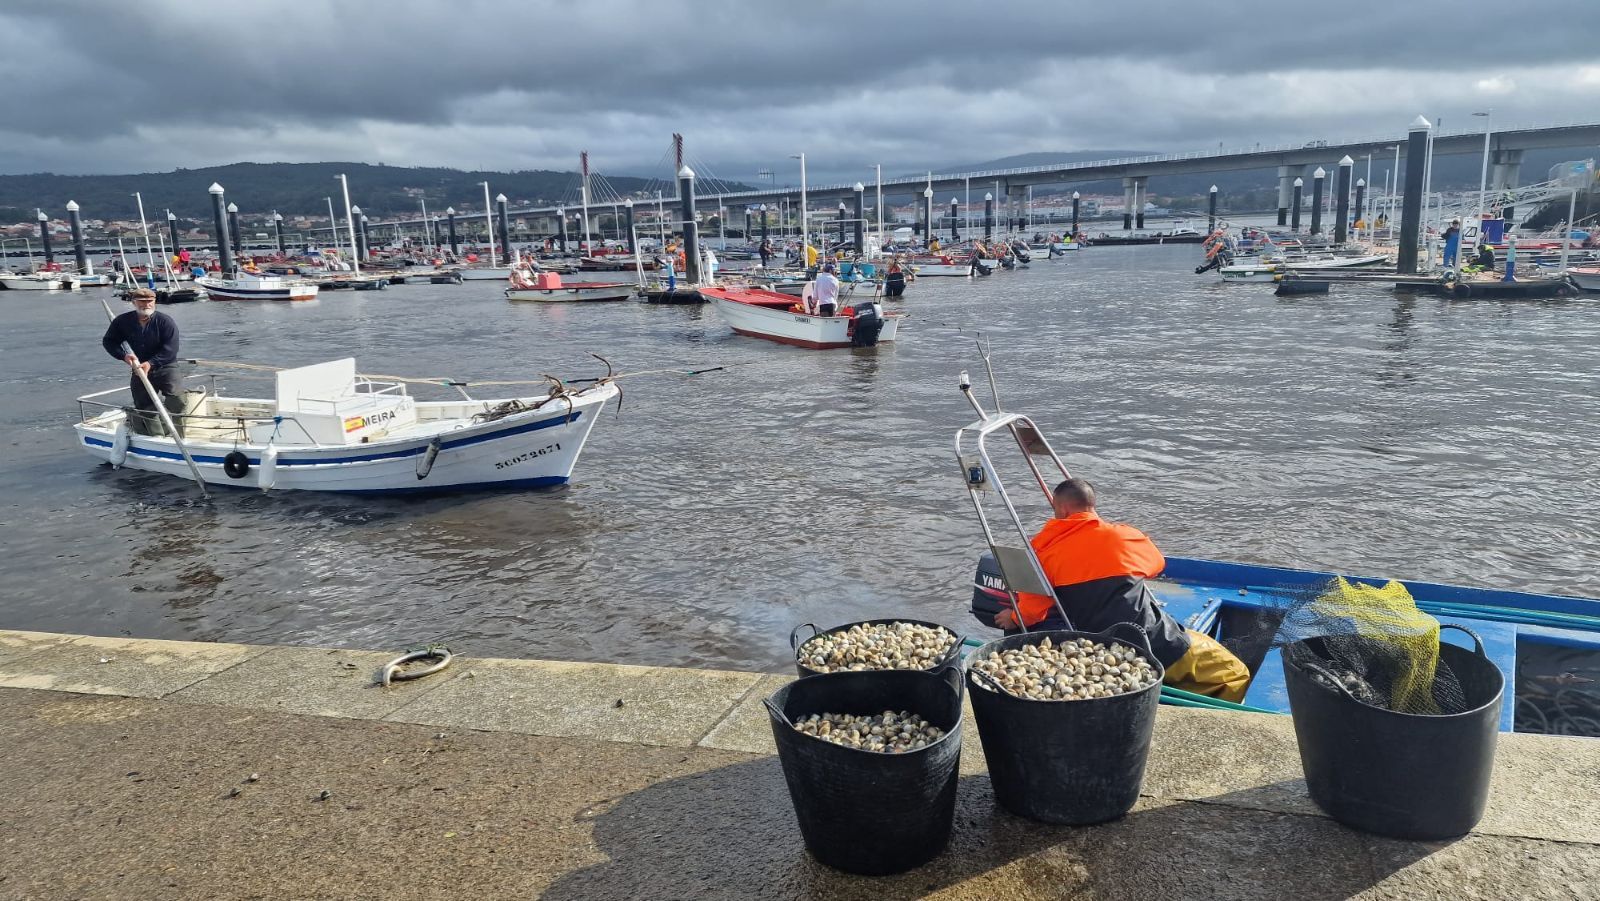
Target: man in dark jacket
(1098, 570)
(152, 338)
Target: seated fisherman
(1098, 570)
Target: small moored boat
(246, 286)
(773, 316)
(327, 428)
(548, 287)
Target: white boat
(329, 429)
(94, 280)
(1267, 270)
(1585, 277)
(485, 273)
(770, 315)
(257, 287)
(39, 281)
(548, 287)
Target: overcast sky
(150, 85)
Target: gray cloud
(161, 83)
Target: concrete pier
(173, 769)
(1128, 201)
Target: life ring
(236, 465)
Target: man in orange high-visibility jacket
(1098, 570)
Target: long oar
(161, 408)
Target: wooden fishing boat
(328, 429)
(767, 314)
(548, 288)
(257, 287)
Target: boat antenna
(983, 351)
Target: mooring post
(627, 217)
(1286, 176)
(988, 216)
(44, 237)
(1411, 200)
(691, 229)
(277, 226)
(366, 240)
(77, 237)
(927, 215)
(1211, 210)
(172, 230)
(1361, 195)
(233, 231)
(1318, 179)
(1341, 226)
(450, 220)
(1075, 198)
(955, 221)
(220, 223)
(561, 227)
(504, 226)
(1294, 212)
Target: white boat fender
(236, 465)
(267, 473)
(425, 465)
(119, 444)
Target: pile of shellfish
(890, 732)
(877, 646)
(1075, 670)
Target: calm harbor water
(1361, 432)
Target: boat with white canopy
(327, 428)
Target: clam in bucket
(870, 812)
(949, 657)
(1073, 762)
(1403, 775)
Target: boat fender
(1463, 289)
(236, 465)
(119, 444)
(267, 474)
(425, 465)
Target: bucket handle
(1477, 641)
(951, 674)
(1144, 637)
(794, 637)
(777, 711)
(982, 676)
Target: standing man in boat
(153, 337)
(826, 292)
(1098, 570)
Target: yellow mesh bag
(1392, 638)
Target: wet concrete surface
(123, 797)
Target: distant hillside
(292, 188)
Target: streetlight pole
(805, 232)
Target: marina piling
(842, 216)
(627, 216)
(504, 226)
(220, 224)
(1341, 224)
(1361, 195)
(1286, 176)
(233, 231)
(172, 230)
(366, 239)
(44, 237)
(1294, 211)
(1411, 201)
(1319, 178)
(861, 218)
(450, 221)
(1211, 210)
(1075, 199)
(765, 230)
(955, 220)
(927, 214)
(277, 227)
(691, 231)
(561, 228)
(988, 215)
(77, 237)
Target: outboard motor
(867, 324)
(988, 591)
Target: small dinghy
(777, 317)
(329, 429)
(548, 287)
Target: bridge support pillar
(1286, 177)
(1507, 172)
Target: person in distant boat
(1098, 570)
(826, 292)
(153, 338)
(1452, 242)
(933, 244)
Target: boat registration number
(528, 455)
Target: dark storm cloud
(101, 87)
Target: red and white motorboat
(257, 287)
(548, 287)
(778, 317)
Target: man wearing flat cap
(153, 338)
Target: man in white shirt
(826, 292)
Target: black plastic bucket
(869, 812)
(1399, 774)
(1073, 762)
(795, 641)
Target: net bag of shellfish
(1371, 641)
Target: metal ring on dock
(391, 670)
